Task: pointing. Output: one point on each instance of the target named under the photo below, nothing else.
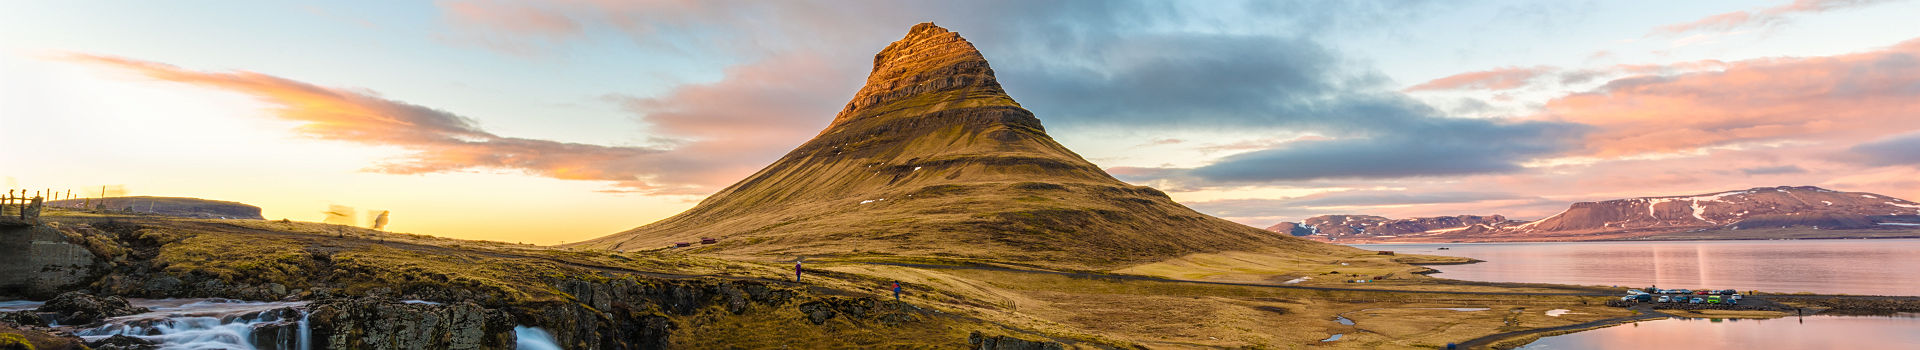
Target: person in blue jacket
(896, 291)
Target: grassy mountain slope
(932, 158)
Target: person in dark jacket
(896, 291)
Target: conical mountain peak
(931, 65)
(931, 158)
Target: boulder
(78, 308)
(121, 342)
(1001, 342)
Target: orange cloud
(440, 141)
(1507, 78)
(1762, 17)
(1841, 98)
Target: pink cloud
(1838, 98)
(747, 119)
(1762, 17)
(1507, 78)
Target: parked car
(1728, 292)
(1702, 292)
(1666, 299)
(1713, 299)
(1645, 298)
(1626, 298)
(1696, 300)
(1680, 291)
(1733, 301)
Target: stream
(222, 324)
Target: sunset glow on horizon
(551, 122)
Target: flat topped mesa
(929, 60)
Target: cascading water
(210, 324)
(306, 331)
(221, 324)
(533, 338)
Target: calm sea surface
(1878, 266)
(1811, 332)
(1852, 266)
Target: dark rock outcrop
(121, 342)
(383, 323)
(40, 261)
(78, 308)
(1002, 342)
(631, 313)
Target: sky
(556, 121)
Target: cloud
(1079, 65)
(439, 141)
(1770, 16)
(1774, 170)
(1214, 82)
(1903, 149)
(1843, 97)
(728, 129)
(1506, 78)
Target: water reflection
(1811, 332)
(1880, 266)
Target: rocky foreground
(360, 289)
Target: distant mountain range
(169, 206)
(1765, 212)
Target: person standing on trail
(796, 271)
(896, 291)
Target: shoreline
(1347, 243)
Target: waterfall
(209, 324)
(533, 338)
(306, 330)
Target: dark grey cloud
(1901, 149)
(1441, 147)
(1774, 170)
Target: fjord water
(1849, 266)
(1811, 332)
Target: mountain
(1752, 208)
(933, 158)
(169, 206)
(1336, 227)
(1781, 212)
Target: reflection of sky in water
(1811, 332)
(1880, 266)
